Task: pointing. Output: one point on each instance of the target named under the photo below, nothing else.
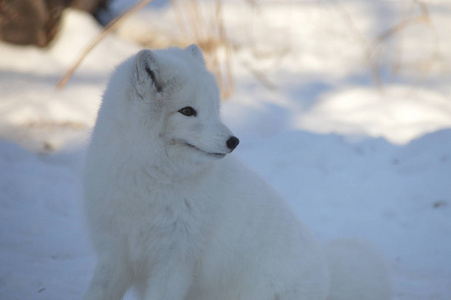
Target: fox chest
(164, 230)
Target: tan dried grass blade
(107, 30)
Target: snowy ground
(351, 158)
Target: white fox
(173, 215)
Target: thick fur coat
(172, 214)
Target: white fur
(172, 217)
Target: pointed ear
(195, 52)
(146, 74)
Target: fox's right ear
(146, 74)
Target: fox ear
(146, 75)
(195, 51)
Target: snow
(352, 158)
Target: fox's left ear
(146, 74)
(195, 51)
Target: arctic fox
(173, 215)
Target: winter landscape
(344, 107)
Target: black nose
(232, 142)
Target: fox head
(165, 103)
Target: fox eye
(188, 111)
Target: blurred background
(366, 58)
(344, 106)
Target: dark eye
(188, 111)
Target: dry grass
(375, 49)
(418, 14)
(106, 31)
(204, 25)
(205, 28)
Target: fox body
(171, 212)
